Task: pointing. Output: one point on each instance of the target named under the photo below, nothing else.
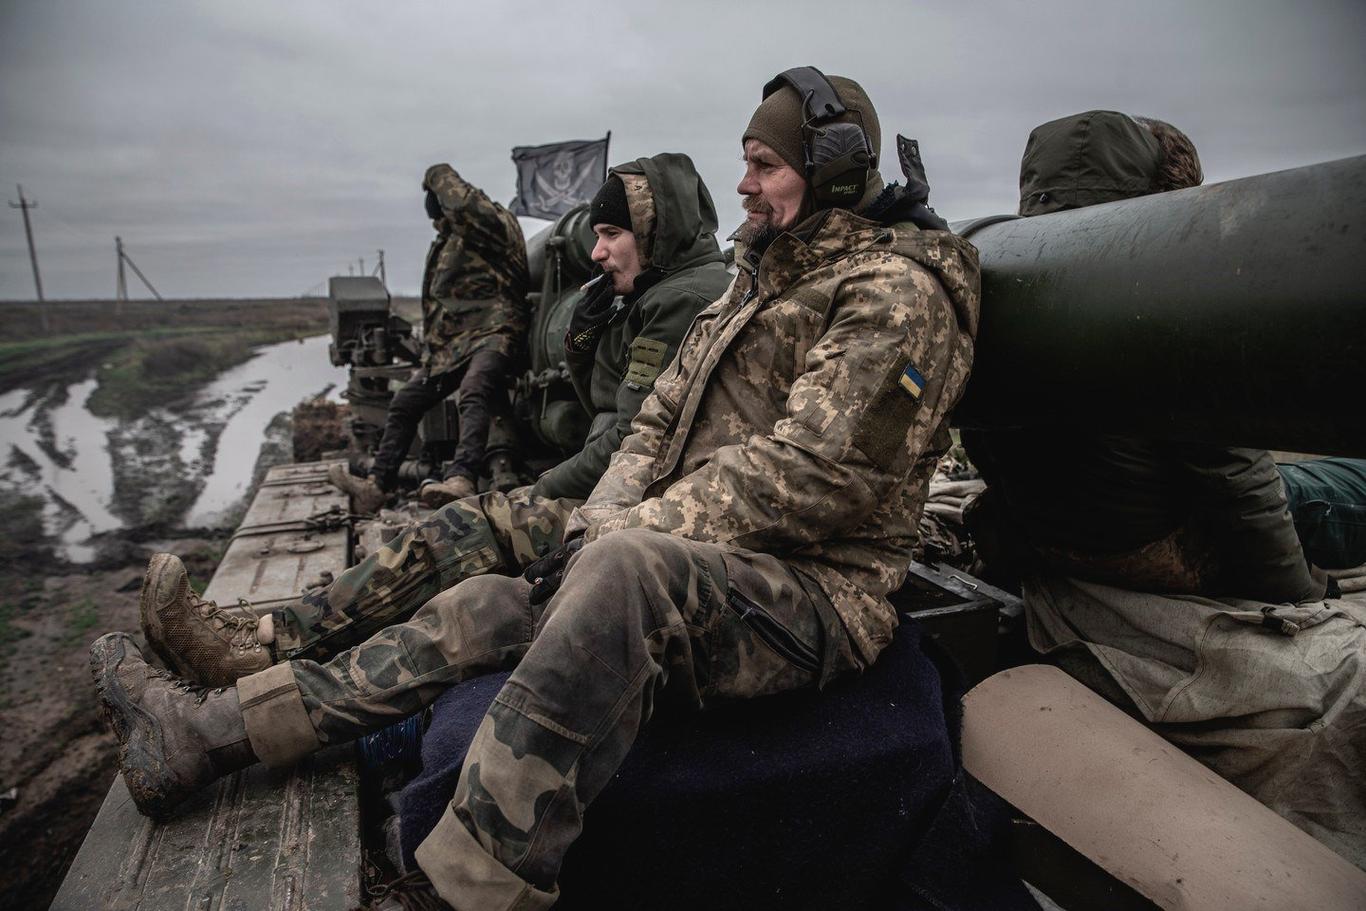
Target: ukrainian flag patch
(912, 382)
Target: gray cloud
(253, 148)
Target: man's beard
(756, 236)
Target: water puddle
(191, 466)
(275, 380)
(50, 455)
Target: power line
(24, 205)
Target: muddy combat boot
(197, 639)
(439, 493)
(366, 495)
(174, 737)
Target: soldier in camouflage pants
(641, 618)
(474, 323)
(490, 533)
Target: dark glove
(593, 314)
(546, 574)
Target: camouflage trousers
(490, 533)
(642, 619)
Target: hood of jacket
(672, 214)
(1087, 159)
(442, 181)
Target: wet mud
(87, 499)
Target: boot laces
(198, 691)
(239, 627)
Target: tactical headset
(838, 159)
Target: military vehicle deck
(296, 835)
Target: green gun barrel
(1233, 313)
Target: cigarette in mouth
(586, 285)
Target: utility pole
(121, 293)
(382, 280)
(361, 260)
(121, 287)
(24, 205)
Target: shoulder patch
(647, 360)
(883, 431)
(912, 382)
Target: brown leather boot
(439, 493)
(174, 737)
(367, 496)
(197, 639)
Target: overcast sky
(254, 148)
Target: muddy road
(113, 446)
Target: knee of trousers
(415, 399)
(482, 613)
(670, 572)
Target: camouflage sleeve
(876, 386)
(446, 268)
(649, 352)
(455, 191)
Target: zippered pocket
(773, 633)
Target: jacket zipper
(773, 634)
(753, 286)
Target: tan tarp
(1140, 808)
(1272, 697)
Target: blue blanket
(852, 798)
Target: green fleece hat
(777, 122)
(1087, 159)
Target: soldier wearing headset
(742, 542)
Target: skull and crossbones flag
(555, 177)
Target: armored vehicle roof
(356, 288)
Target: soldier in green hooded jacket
(1180, 579)
(742, 542)
(660, 264)
(1138, 513)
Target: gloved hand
(593, 314)
(546, 574)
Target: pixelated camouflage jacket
(475, 284)
(684, 272)
(806, 410)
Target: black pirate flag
(556, 177)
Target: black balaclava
(609, 205)
(434, 207)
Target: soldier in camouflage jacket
(742, 543)
(474, 322)
(475, 284)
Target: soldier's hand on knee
(546, 574)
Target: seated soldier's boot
(366, 495)
(439, 493)
(197, 639)
(174, 737)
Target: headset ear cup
(840, 162)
